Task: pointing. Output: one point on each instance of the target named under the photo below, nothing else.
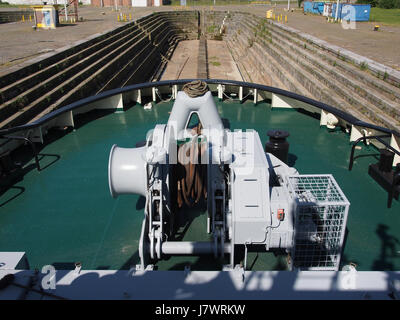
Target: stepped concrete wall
(127, 55)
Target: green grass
(386, 16)
(8, 5)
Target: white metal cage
(321, 211)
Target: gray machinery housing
(253, 198)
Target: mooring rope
(195, 88)
(192, 174)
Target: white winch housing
(254, 200)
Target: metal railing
(83, 102)
(260, 88)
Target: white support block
(358, 132)
(323, 119)
(113, 102)
(255, 94)
(241, 94)
(37, 135)
(153, 93)
(65, 120)
(280, 102)
(138, 96)
(395, 144)
(221, 89)
(174, 91)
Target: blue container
(361, 11)
(308, 6)
(313, 7)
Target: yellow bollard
(130, 16)
(118, 18)
(30, 18)
(285, 19)
(23, 18)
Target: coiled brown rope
(195, 88)
(192, 174)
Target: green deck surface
(65, 213)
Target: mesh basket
(320, 221)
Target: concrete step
(46, 86)
(16, 88)
(357, 102)
(265, 60)
(348, 68)
(87, 68)
(264, 64)
(47, 60)
(379, 115)
(318, 90)
(98, 80)
(366, 91)
(127, 72)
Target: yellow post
(30, 18)
(23, 18)
(118, 18)
(285, 19)
(130, 16)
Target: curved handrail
(80, 103)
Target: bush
(373, 3)
(386, 4)
(389, 4)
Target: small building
(46, 16)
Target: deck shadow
(21, 191)
(390, 248)
(84, 118)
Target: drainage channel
(202, 59)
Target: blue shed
(314, 7)
(361, 11)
